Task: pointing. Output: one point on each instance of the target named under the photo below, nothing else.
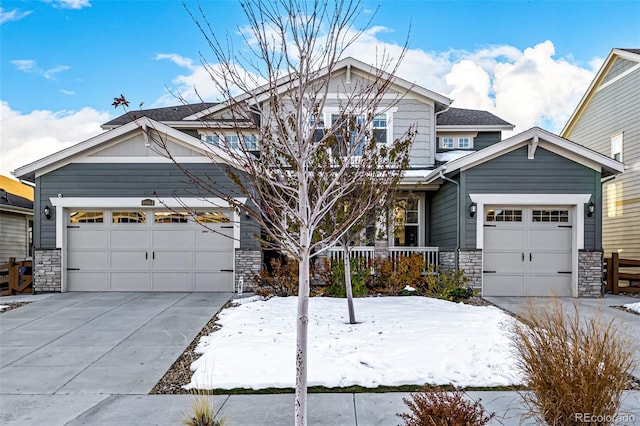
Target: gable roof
(628, 54)
(66, 156)
(533, 138)
(169, 113)
(460, 117)
(350, 64)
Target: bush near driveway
(571, 365)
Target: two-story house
(607, 120)
(521, 215)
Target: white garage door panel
(559, 285)
(130, 281)
(129, 260)
(213, 260)
(549, 239)
(504, 285)
(94, 259)
(505, 239)
(87, 238)
(213, 281)
(148, 256)
(509, 262)
(87, 281)
(550, 262)
(173, 260)
(132, 237)
(172, 239)
(168, 281)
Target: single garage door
(149, 250)
(527, 251)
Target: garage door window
(129, 217)
(212, 217)
(170, 217)
(550, 216)
(496, 215)
(86, 217)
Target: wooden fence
(613, 275)
(16, 277)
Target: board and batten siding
(14, 230)
(612, 110)
(485, 139)
(151, 180)
(514, 173)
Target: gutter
(457, 184)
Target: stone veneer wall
(469, 260)
(590, 273)
(47, 271)
(248, 264)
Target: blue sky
(63, 61)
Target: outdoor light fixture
(591, 209)
(472, 209)
(47, 212)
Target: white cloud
(29, 137)
(67, 92)
(527, 87)
(12, 15)
(30, 66)
(70, 4)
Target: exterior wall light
(472, 209)
(47, 212)
(591, 209)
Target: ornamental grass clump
(441, 408)
(203, 413)
(573, 367)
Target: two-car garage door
(527, 251)
(149, 250)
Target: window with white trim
(446, 143)
(616, 146)
(232, 141)
(350, 135)
(379, 128)
(406, 222)
(464, 143)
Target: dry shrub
(281, 281)
(440, 408)
(390, 278)
(203, 412)
(572, 366)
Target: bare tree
(293, 166)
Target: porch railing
(367, 253)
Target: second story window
(446, 143)
(350, 134)
(616, 147)
(379, 126)
(464, 143)
(232, 141)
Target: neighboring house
(514, 213)
(607, 120)
(16, 219)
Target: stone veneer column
(47, 270)
(248, 264)
(590, 273)
(469, 260)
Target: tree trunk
(347, 283)
(302, 326)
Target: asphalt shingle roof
(469, 117)
(9, 199)
(172, 113)
(636, 51)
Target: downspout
(457, 184)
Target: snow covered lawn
(635, 307)
(399, 340)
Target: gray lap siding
(548, 173)
(128, 180)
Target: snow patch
(635, 307)
(398, 340)
(451, 155)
